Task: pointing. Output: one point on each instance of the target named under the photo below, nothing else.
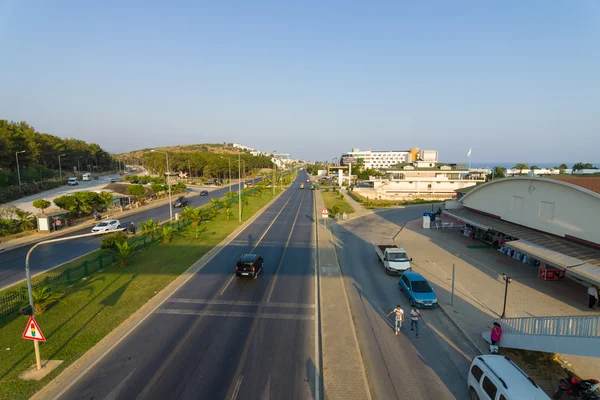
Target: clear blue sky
(515, 80)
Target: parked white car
(107, 226)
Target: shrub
(110, 242)
(157, 188)
(336, 209)
(44, 297)
(41, 204)
(341, 196)
(167, 233)
(124, 252)
(326, 189)
(136, 190)
(28, 189)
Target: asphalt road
(12, 262)
(433, 366)
(221, 337)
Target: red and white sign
(33, 331)
(324, 211)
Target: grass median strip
(92, 308)
(333, 199)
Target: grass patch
(94, 307)
(332, 199)
(376, 203)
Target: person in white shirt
(415, 315)
(593, 293)
(399, 317)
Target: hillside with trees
(39, 158)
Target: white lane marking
(287, 242)
(259, 241)
(115, 392)
(237, 388)
(240, 303)
(236, 314)
(267, 392)
(317, 360)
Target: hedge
(17, 192)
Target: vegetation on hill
(39, 161)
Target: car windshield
(397, 257)
(421, 287)
(102, 224)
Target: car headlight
(419, 301)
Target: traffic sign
(33, 331)
(324, 211)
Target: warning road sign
(33, 331)
(324, 211)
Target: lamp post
(240, 186)
(18, 170)
(229, 159)
(507, 280)
(59, 166)
(168, 181)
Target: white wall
(544, 204)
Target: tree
(167, 233)
(366, 173)
(194, 215)
(521, 167)
(157, 188)
(149, 227)
(106, 198)
(533, 168)
(136, 190)
(124, 252)
(579, 166)
(42, 204)
(227, 209)
(44, 297)
(25, 219)
(336, 209)
(498, 172)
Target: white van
(496, 377)
(86, 177)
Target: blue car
(418, 290)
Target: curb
(71, 374)
(475, 346)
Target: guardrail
(564, 326)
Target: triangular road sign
(33, 331)
(324, 211)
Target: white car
(107, 226)
(72, 182)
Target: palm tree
(533, 168)
(149, 227)
(192, 214)
(167, 233)
(124, 252)
(227, 209)
(44, 297)
(521, 167)
(25, 219)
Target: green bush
(17, 192)
(136, 190)
(341, 196)
(326, 189)
(83, 202)
(42, 204)
(110, 241)
(157, 188)
(336, 209)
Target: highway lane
(433, 366)
(220, 337)
(12, 262)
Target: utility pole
(240, 186)
(507, 280)
(168, 181)
(18, 169)
(59, 166)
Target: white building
(420, 179)
(380, 159)
(282, 159)
(535, 172)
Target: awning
(578, 259)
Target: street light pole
(18, 169)
(240, 186)
(507, 280)
(168, 181)
(59, 166)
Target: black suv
(249, 265)
(180, 202)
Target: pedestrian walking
(495, 337)
(399, 317)
(593, 294)
(415, 315)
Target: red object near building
(549, 273)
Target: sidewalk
(359, 210)
(344, 375)
(479, 288)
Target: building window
(546, 210)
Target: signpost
(325, 215)
(33, 332)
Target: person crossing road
(399, 317)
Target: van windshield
(397, 257)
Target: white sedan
(106, 226)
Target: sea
(510, 165)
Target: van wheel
(473, 394)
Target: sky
(516, 81)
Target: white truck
(394, 259)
